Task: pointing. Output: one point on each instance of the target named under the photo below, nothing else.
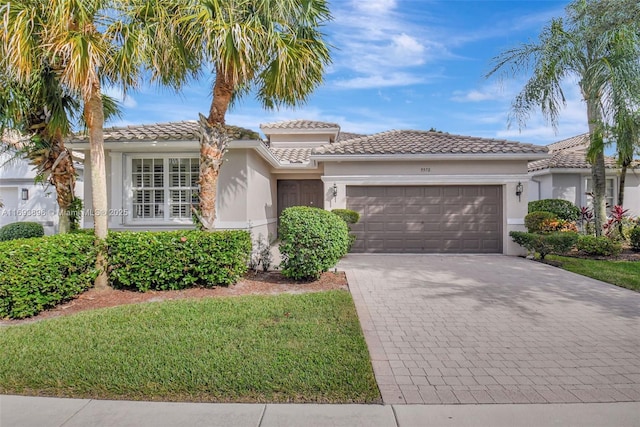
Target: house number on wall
(425, 170)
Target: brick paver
(494, 329)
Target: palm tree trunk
(213, 144)
(598, 171)
(94, 117)
(63, 177)
(623, 179)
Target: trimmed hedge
(634, 238)
(21, 230)
(563, 209)
(40, 273)
(312, 241)
(535, 221)
(347, 215)
(599, 246)
(172, 260)
(545, 244)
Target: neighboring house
(25, 200)
(416, 191)
(567, 175)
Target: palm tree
(87, 43)
(41, 113)
(626, 134)
(272, 47)
(598, 44)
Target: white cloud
(116, 93)
(374, 6)
(379, 47)
(378, 81)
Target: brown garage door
(427, 219)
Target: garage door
(427, 219)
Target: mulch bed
(260, 283)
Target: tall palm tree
(274, 48)
(598, 44)
(88, 43)
(41, 113)
(626, 134)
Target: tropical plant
(613, 227)
(534, 221)
(586, 219)
(626, 134)
(86, 44)
(599, 43)
(273, 48)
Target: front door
(300, 192)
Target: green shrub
(40, 273)
(599, 246)
(563, 209)
(634, 238)
(21, 230)
(545, 244)
(535, 221)
(176, 259)
(312, 241)
(349, 216)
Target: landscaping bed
(269, 348)
(253, 283)
(623, 270)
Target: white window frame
(129, 189)
(611, 183)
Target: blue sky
(401, 64)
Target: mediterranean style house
(566, 174)
(416, 191)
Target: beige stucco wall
(261, 199)
(568, 187)
(443, 172)
(632, 193)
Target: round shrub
(563, 209)
(349, 216)
(634, 238)
(535, 221)
(312, 241)
(21, 230)
(598, 246)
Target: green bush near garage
(170, 260)
(21, 230)
(42, 272)
(563, 209)
(559, 242)
(350, 217)
(312, 241)
(599, 246)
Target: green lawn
(285, 348)
(621, 273)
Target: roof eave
(403, 157)
(284, 131)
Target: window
(164, 188)
(609, 193)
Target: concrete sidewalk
(21, 411)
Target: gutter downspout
(537, 185)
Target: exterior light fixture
(519, 190)
(25, 194)
(335, 190)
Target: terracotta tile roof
(426, 142)
(344, 136)
(299, 124)
(292, 155)
(174, 131)
(568, 160)
(575, 143)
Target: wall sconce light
(519, 190)
(335, 190)
(25, 194)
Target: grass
(285, 348)
(625, 274)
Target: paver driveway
(494, 329)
